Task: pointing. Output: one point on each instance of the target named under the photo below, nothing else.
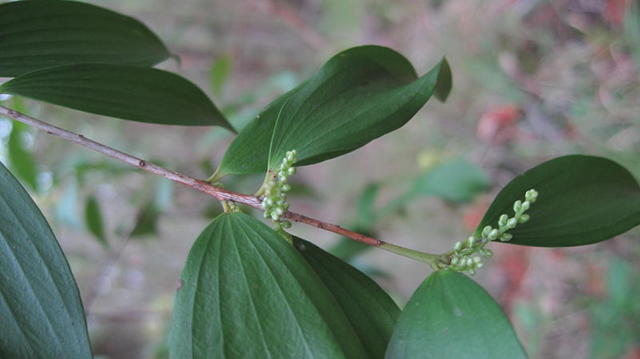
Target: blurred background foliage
(534, 79)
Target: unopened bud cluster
(276, 187)
(469, 256)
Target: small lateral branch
(220, 194)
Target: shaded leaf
(219, 73)
(582, 200)
(347, 249)
(455, 181)
(146, 221)
(247, 293)
(368, 307)
(42, 316)
(93, 220)
(40, 34)
(365, 206)
(445, 82)
(450, 316)
(126, 92)
(357, 96)
(66, 208)
(21, 160)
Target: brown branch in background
(200, 185)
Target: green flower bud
(531, 195)
(486, 230)
(517, 206)
(506, 237)
(503, 220)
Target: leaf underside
(368, 307)
(247, 293)
(40, 307)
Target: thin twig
(197, 184)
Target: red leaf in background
(513, 262)
(614, 11)
(496, 125)
(473, 215)
(633, 353)
(595, 280)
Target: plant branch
(203, 186)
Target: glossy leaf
(368, 307)
(41, 34)
(21, 160)
(450, 316)
(42, 316)
(247, 293)
(454, 181)
(582, 200)
(94, 221)
(126, 92)
(357, 96)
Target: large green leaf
(368, 307)
(39, 34)
(247, 293)
(40, 309)
(450, 316)
(122, 91)
(582, 200)
(358, 95)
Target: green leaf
(146, 222)
(247, 293)
(347, 249)
(365, 206)
(94, 221)
(66, 207)
(42, 316)
(450, 316)
(371, 311)
(454, 181)
(357, 96)
(20, 158)
(41, 34)
(127, 92)
(219, 73)
(582, 200)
